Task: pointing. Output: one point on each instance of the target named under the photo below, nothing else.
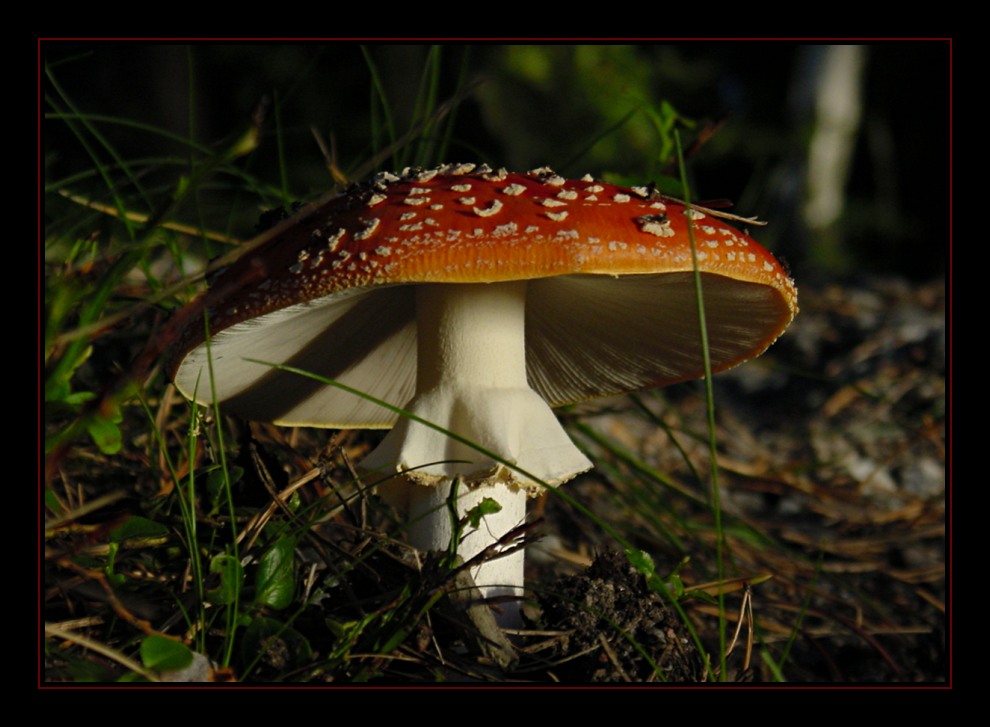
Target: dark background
(576, 108)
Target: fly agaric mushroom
(476, 299)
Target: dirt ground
(833, 446)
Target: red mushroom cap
(610, 306)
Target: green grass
(174, 531)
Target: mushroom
(476, 300)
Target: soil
(832, 449)
(615, 628)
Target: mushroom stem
(471, 380)
(431, 528)
(471, 336)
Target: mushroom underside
(587, 336)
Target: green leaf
(276, 580)
(131, 677)
(642, 561)
(116, 579)
(105, 432)
(671, 587)
(231, 579)
(676, 586)
(488, 506)
(137, 527)
(164, 654)
(58, 386)
(78, 398)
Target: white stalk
(431, 528)
(471, 380)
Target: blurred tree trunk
(826, 99)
